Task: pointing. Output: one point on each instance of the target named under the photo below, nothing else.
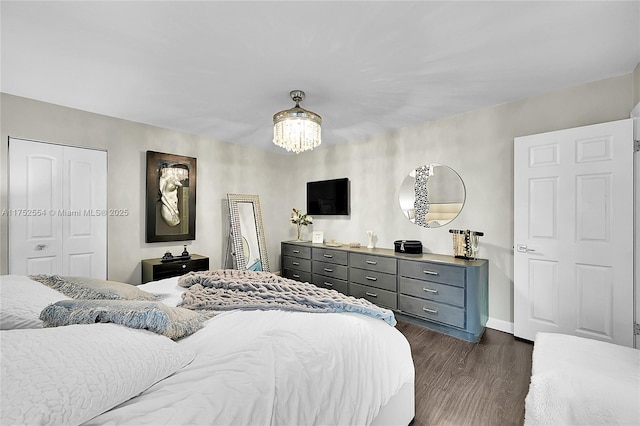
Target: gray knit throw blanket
(228, 289)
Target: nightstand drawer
(155, 269)
(331, 283)
(297, 275)
(328, 255)
(442, 293)
(373, 263)
(383, 298)
(297, 263)
(432, 271)
(431, 310)
(373, 279)
(296, 251)
(330, 270)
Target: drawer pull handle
(296, 263)
(371, 278)
(430, 290)
(371, 294)
(184, 266)
(431, 272)
(431, 311)
(328, 284)
(296, 276)
(329, 256)
(328, 270)
(296, 251)
(372, 262)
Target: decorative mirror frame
(421, 202)
(236, 231)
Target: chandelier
(297, 129)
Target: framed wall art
(171, 197)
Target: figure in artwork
(170, 182)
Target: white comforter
(275, 367)
(578, 381)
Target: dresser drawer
(383, 298)
(442, 293)
(373, 279)
(329, 270)
(373, 263)
(296, 251)
(297, 275)
(328, 255)
(432, 271)
(303, 265)
(328, 282)
(432, 310)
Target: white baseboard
(500, 325)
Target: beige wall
(222, 168)
(636, 85)
(477, 144)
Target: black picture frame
(178, 174)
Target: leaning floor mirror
(247, 233)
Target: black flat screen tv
(328, 197)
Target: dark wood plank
(462, 383)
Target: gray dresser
(437, 291)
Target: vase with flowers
(300, 219)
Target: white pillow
(68, 375)
(168, 290)
(22, 300)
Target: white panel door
(57, 210)
(84, 196)
(35, 195)
(573, 233)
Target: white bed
(578, 381)
(247, 367)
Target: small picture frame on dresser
(317, 237)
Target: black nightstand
(154, 269)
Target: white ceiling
(222, 69)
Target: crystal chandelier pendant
(297, 129)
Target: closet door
(573, 233)
(84, 195)
(35, 195)
(57, 210)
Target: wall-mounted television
(328, 197)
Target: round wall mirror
(432, 195)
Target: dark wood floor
(461, 383)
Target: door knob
(522, 248)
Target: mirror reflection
(247, 232)
(250, 250)
(432, 195)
